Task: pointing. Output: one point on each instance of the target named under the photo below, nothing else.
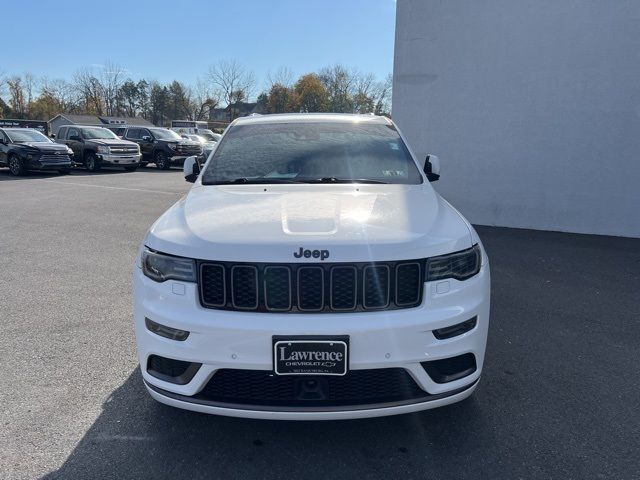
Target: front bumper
(40, 163)
(378, 340)
(117, 159)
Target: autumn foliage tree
(311, 94)
(281, 99)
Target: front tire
(161, 161)
(16, 167)
(131, 169)
(91, 162)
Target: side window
(4, 137)
(73, 131)
(62, 133)
(144, 133)
(133, 133)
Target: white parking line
(112, 188)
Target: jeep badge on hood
(321, 254)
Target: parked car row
(23, 149)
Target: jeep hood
(267, 223)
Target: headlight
(159, 267)
(103, 149)
(459, 265)
(69, 151)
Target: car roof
(312, 117)
(81, 126)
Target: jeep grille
(308, 288)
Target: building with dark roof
(94, 120)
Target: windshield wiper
(250, 181)
(340, 180)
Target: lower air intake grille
(357, 387)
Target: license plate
(300, 356)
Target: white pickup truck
(311, 272)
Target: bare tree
(17, 100)
(111, 79)
(382, 96)
(203, 98)
(30, 83)
(363, 91)
(339, 82)
(90, 90)
(283, 76)
(231, 80)
(61, 90)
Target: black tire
(64, 171)
(16, 167)
(91, 162)
(161, 161)
(131, 168)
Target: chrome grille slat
(55, 158)
(123, 150)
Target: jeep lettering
(321, 254)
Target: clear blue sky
(165, 40)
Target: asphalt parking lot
(558, 398)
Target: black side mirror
(147, 138)
(75, 138)
(432, 168)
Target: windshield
(25, 135)
(98, 132)
(164, 134)
(312, 152)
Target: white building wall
(532, 106)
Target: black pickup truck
(95, 147)
(23, 149)
(161, 146)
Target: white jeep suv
(311, 272)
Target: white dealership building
(532, 107)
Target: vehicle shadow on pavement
(6, 176)
(136, 437)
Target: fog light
(164, 331)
